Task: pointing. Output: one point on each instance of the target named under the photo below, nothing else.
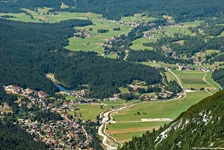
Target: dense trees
(25, 47)
(218, 76)
(13, 137)
(146, 55)
(29, 51)
(115, 9)
(187, 10)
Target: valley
(100, 78)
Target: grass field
(138, 17)
(125, 131)
(170, 76)
(192, 79)
(210, 51)
(40, 15)
(124, 90)
(88, 111)
(94, 43)
(92, 110)
(138, 44)
(159, 109)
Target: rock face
(201, 126)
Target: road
(109, 142)
(185, 94)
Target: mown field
(90, 111)
(192, 79)
(124, 131)
(159, 109)
(131, 118)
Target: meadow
(167, 31)
(156, 109)
(131, 117)
(125, 131)
(192, 79)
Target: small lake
(63, 89)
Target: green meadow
(89, 111)
(125, 131)
(192, 79)
(96, 40)
(138, 17)
(138, 44)
(160, 109)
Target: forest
(26, 57)
(114, 9)
(185, 10)
(13, 137)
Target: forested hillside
(200, 126)
(13, 137)
(29, 51)
(180, 10)
(115, 9)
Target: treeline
(29, 51)
(188, 130)
(115, 9)
(46, 115)
(12, 6)
(187, 10)
(25, 46)
(218, 76)
(190, 45)
(91, 129)
(13, 137)
(103, 76)
(146, 55)
(122, 42)
(211, 27)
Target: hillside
(13, 137)
(200, 126)
(26, 57)
(115, 9)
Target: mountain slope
(200, 126)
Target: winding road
(109, 142)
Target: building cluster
(64, 132)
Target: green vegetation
(197, 122)
(138, 44)
(160, 109)
(89, 111)
(70, 68)
(123, 132)
(192, 79)
(13, 137)
(96, 40)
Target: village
(47, 120)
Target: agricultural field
(96, 40)
(41, 15)
(157, 109)
(170, 76)
(124, 131)
(192, 79)
(138, 44)
(91, 110)
(132, 117)
(167, 31)
(138, 17)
